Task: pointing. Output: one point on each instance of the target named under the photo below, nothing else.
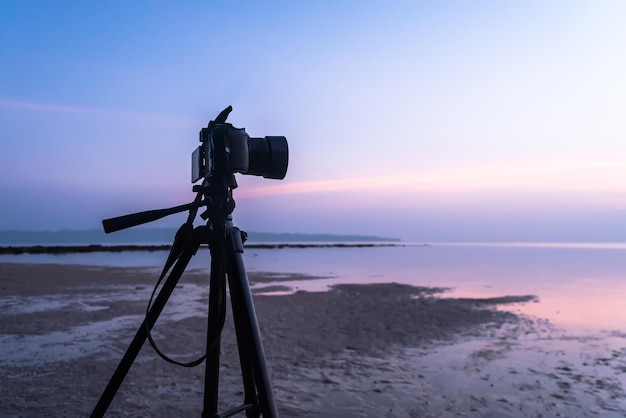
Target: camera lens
(268, 157)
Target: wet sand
(383, 350)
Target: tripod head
(225, 150)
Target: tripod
(226, 247)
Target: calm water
(578, 285)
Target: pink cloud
(51, 107)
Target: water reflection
(578, 285)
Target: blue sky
(464, 120)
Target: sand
(384, 350)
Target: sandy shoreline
(357, 350)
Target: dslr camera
(226, 150)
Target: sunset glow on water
(577, 284)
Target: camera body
(226, 150)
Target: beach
(371, 350)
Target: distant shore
(152, 236)
(93, 248)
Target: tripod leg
(217, 306)
(191, 247)
(247, 329)
(243, 342)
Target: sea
(576, 285)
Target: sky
(418, 120)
